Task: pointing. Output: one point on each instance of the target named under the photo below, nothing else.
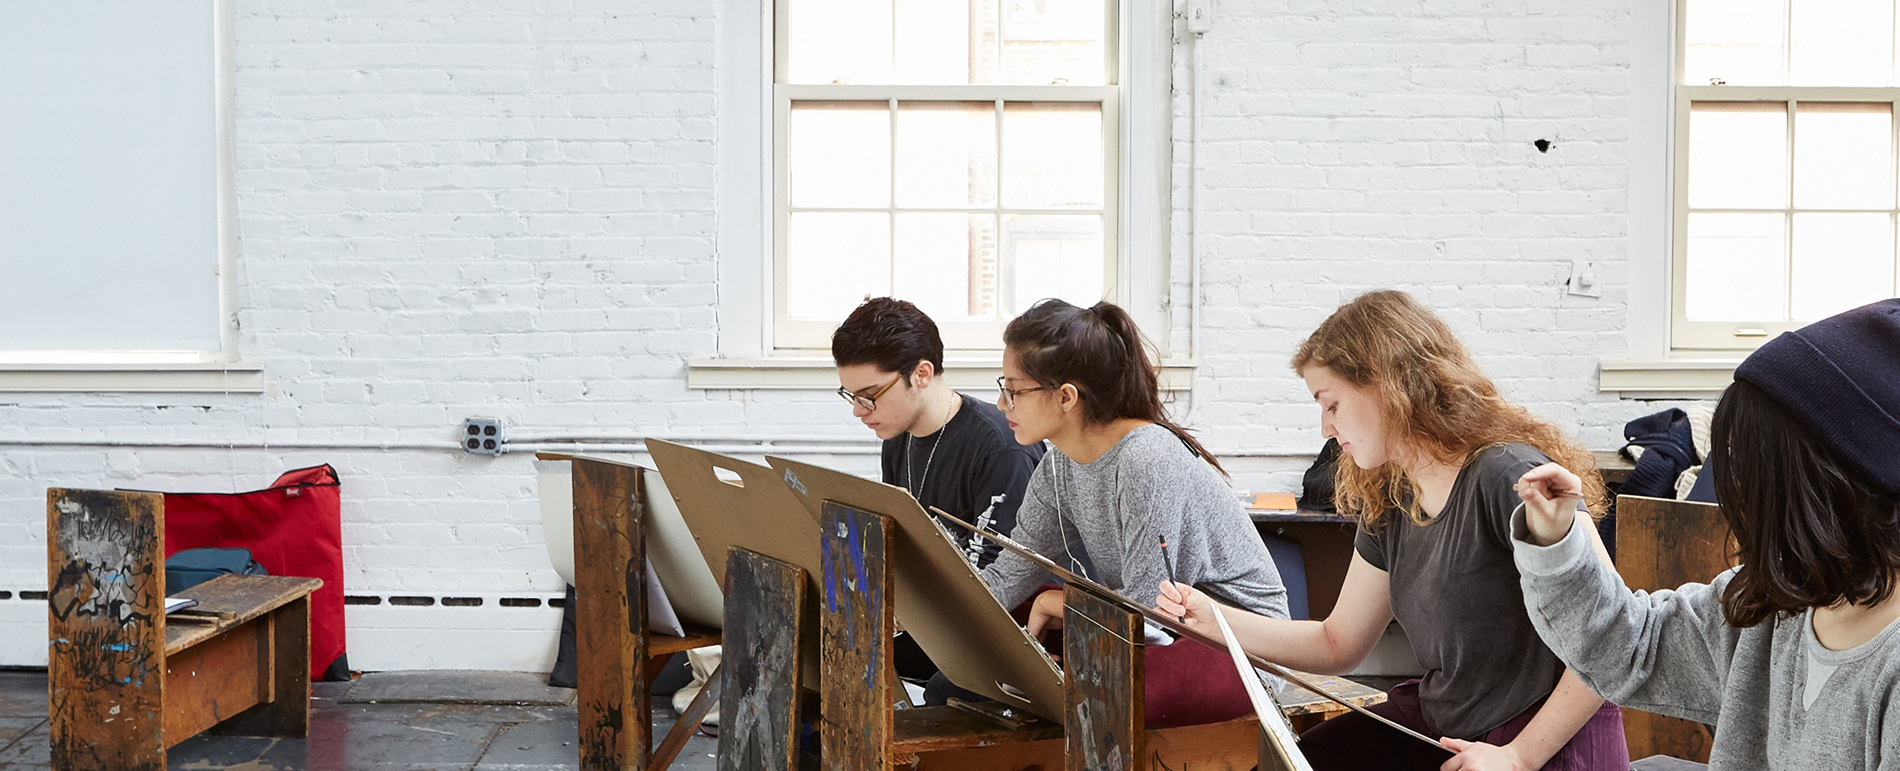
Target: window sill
(1667, 378)
(172, 378)
(818, 373)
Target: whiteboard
(109, 175)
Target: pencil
(1169, 565)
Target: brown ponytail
(1099, 351)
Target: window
(1785, 202)
(963, 156)
(115, 215)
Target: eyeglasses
(1009, 396)
(869, 403)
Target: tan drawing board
(756, 512)
(941, 600)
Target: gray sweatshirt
(1777, 699)
(1148, 484)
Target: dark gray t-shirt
(1455, 590)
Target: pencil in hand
(1169, 565)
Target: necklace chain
(909, 443)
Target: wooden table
(246, 644)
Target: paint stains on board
(855, 639)
(107, 637)
(757, 712)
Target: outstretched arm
(1332, 646)
(1666, 652)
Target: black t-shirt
(1455, 589)
(972, 468)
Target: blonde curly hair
(1435, 401)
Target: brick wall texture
(510, 209)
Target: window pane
(835, 260)
(1052, 155)
(1843, 156)
(1053, 41)
(1736, 41)
(839, 154)
(1841, 43)
(946, 264)
(838, 41)
(1738, 155)
(1735, 267)
(946, 154)
(934, 42)
(1047, 255)
(1841, 261)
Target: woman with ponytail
(1121, 481)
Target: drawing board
(727, 502)
(941, 600)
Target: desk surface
(1295, 700)
(228, 601)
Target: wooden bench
(125, 682)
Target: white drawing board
(680, 588)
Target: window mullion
(890, 232)
(1787, 245)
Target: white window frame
(1733, 337)
(747, 248)
(1742, 336)
(153, 371)
(795, 336)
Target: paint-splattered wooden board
(105, 664)
(758, 717)
(1102, 658)
(855, 625)
(610, 616)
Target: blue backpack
(192, 567)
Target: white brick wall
(452, 208)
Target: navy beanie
(1841, 377)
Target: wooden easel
(860, 729)
(1663, 544)
(123, 685)
(616, 656)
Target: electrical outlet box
(1585, 279)
(482, 436)
(1200, 16)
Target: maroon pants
(1187, 683)
(1354, 741)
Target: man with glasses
(950, 451)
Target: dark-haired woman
(1793, 656)
(1120, 481)
(1430, 454)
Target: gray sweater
(1148, 484)
(1778, 699)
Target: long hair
(1099, 351)
(1809, 532)
(1436, 403)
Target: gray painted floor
(360, 737)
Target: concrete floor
(357, 737)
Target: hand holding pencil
(1550, 493)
